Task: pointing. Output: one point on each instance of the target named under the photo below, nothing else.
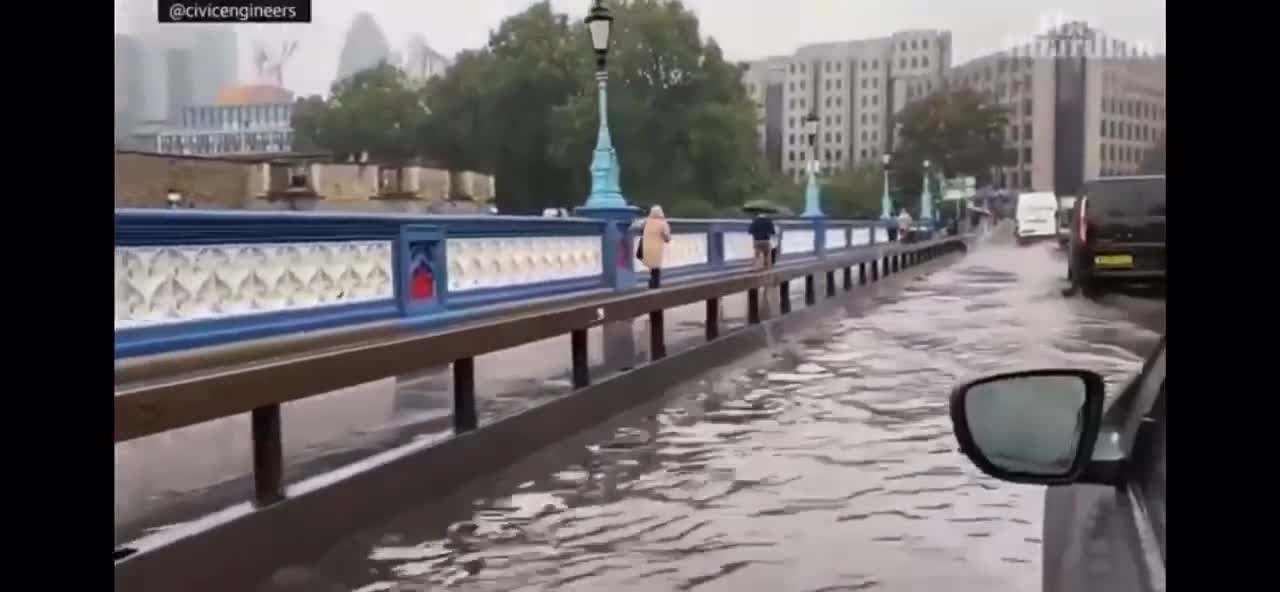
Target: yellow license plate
(1114, 260)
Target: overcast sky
(746, 29)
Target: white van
(1036, 216)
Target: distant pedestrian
(762, 232)
(904, 225)
(654, 236)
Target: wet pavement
(824, 465)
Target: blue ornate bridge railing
(186, 279)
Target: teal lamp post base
(812, 198)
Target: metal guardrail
(168, 403)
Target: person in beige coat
(655, 233)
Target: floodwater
(825, 465)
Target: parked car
(1104, 523)
(1118, 233)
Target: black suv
(1118, 233)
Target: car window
(1127, 198)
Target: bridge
(248, 341)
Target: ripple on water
(832, 468)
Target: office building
(763, 81)
(1080, 104)
(421, 63)
(855, 88)
(364, 47)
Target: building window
(791, 86)
(914, 45)
(875, 64)
(791, 139)
(828, 102)
(1103, 132)
(1026, 156)
(914, 62)
(924, 61)
(863, 119)
(863, 83)
(839, 155)
(827, 121)
(902, 63)
(826, 137)
(904, 46)
(839, 82)
(1013, 133)
(875, 99)
(826, 155)
(793, 68)
(802, 85)
(838, 66)
(828, 84)
(1026, 179)
(1026, 107)
(863, 153)
(864, 100)
(1026, 131)
(924, 43)
(839, 138)
(864, 135)
(791, 156)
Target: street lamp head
(926, 164)
(600, 25)
(811, 124)
(885, 159)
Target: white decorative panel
(685, 248)
(797, 240)
(860, 237)
(738, 246)
(156, 285)
(836, 239)
(492, 262)
(882, 235)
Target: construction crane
(270, 64)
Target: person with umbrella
(762, 232)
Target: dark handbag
(640, 248)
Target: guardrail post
(831, 283)
(268, 455)
(820, 237)
(712, 323)
(619, 261)
(862, 273)
(581, 361)
(464, 395)
(715, 247)
(848, 278)
(784, 297)
(809, 296)
(875, 269)
(657, 335)
(753, 306)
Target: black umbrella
(764, 206)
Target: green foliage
(1153, 162)
(375, 111)
(854, 192)
(524, 108)
(959, 131)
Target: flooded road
(825, 465)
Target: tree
(1153, 162)
(855, 192)
(678, 113)
(376, 111)
(959, 131)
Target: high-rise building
(764, 80)
(179, 83)
(855, 88)
(364, 47)
(130, 101)
(216, 49)
(1081, 105)
(421, 62)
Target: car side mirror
(1034, 426)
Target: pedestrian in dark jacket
(762, 232)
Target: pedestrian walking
(904, 225)
(655, 233)
(762, 232)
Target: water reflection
(833, 468)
